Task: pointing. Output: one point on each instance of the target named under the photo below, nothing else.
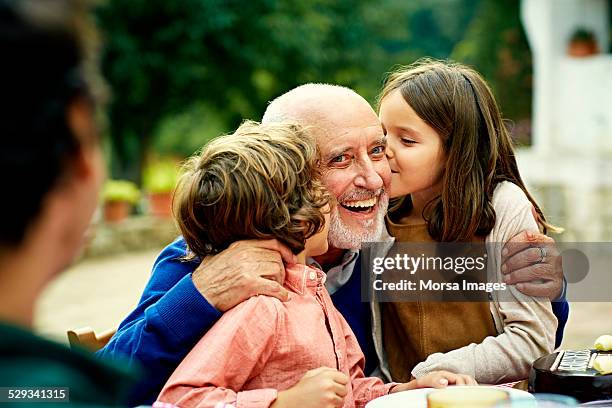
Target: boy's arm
(227, 357)
(169, 319)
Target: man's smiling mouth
(361, 206)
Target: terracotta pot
(160, 204)
(582, 49)
(116, 211)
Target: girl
(455, 179)
(260, 183)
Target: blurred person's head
(447, 143)
(261, 182)
(353, 163)
(50, 160)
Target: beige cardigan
(526, 326)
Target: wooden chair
(86, 338)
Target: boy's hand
(435, 379)
(246, 268)
(319, 388)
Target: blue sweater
(172, 316)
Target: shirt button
(312, 275)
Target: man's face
(356, 172)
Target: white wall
(569, 166)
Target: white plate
(418, 398)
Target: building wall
(569, 165)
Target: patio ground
(101, 292)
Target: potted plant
(582, 43)
(159, 180)
(119, 196)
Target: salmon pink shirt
(263, 346)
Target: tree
(496, 45)
(162, 56)
(190, 69)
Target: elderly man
(184, 299)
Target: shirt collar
(338, 275)
(349, 256)
(303, 278)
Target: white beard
(342, 236)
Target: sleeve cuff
(374, 392)
(261, 398)
(418, 371)
(387, 389)
(186, 312)
(563, 294)
(436, 362)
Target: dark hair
(261, 182)
(46, 49)
(456, 101)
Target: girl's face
(414, 149)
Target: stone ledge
(136, 233)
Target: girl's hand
(435, 379)
(319, 388)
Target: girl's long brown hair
(457, 102)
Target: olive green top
(27, 360)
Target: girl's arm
(231, 353)
(529, 324)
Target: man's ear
(80, 120)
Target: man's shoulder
(31, 361)
(176, 249)
(175, 257)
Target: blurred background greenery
(185, 71)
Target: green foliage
(163, 56)
(582, 35)
(610, 27)
(160, 176)
(434, 28)
(185, 133)
(496, 45)
(185, 71)
(120, 190)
